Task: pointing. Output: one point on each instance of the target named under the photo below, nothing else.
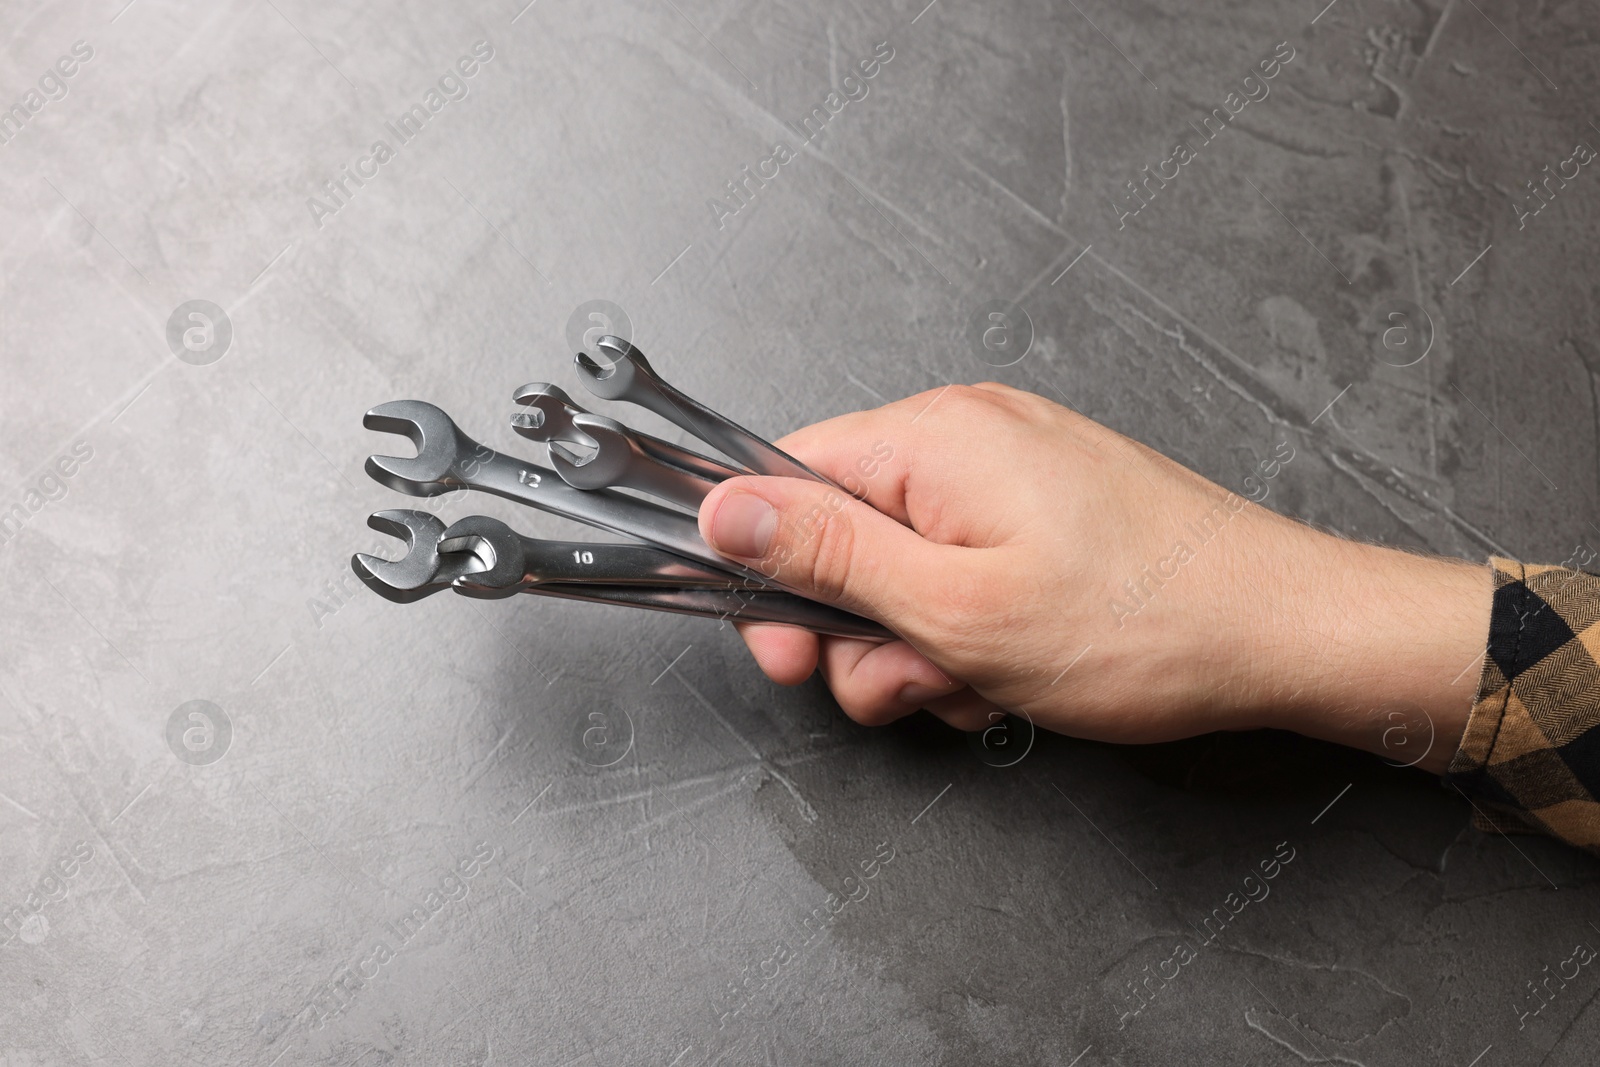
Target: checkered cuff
(1530, 758)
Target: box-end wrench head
(502, 570)
(618, 462)
(421, 572)
(630, 378)
(551, 416)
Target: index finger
(858, 451)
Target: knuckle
(968, 397)
(833, 564)
(1017, 403)
(958, 407)
(998, 389)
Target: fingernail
(916, 693)
(743, 526)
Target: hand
(1035, 561)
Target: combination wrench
(508, 558)
(618, 461)
(507, 569)
(630, 378)
(551, 415)
(448, 460)
(484, 558)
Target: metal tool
(550, 417)
(495, 556)
(448, 460)
(482, 557)
(618, 462)
(510, 560)
(728, 605)
(631, 378)
(505, 570)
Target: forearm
(1380, 650)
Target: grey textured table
(533, 832)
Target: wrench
(618, 462)
(426, 569)
(550, 418)
(448, 460)
(631, 378)
(504, 570)
(728, 605)
(511, 562)
(495, 556)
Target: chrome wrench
(618, 461)
(437, 556)
(506, 569)
(550, 414)
(727, 605)
(510, 559)
(631, 378)
(493, 563)
(448, 460)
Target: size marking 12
(528, 478)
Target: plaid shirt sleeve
(1529, 760)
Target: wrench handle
(713, 470)
(587, 563)
(631, 378)
(674, 484)
(540, 487)
(728, 605)
(722, 433)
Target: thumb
(819, 542)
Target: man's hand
(1035, 561)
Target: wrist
(1383, 650)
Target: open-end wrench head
(492, 565)
(602, 468)
(415, 575)
(615, 380)
(436, 437)
(547, 415)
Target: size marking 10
(582, 557)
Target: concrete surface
(625, 847)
